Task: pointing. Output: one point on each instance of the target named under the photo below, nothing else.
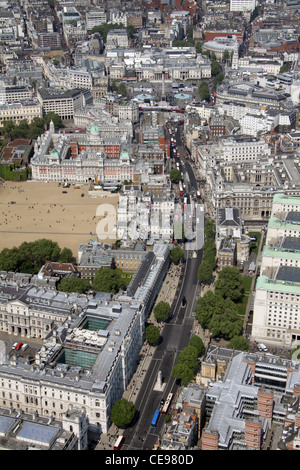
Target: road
(175, 336)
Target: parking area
(23, 347)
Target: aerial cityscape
(150, 226)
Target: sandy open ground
(41, 210)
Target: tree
(204, 91)
(66, 255)
(284, 68)
(175, 175)
(36, 128)
(239, 343)
(206, 306)
(225, 56)
(103, 29)
(122, 90)
(209, 229)
(198, 46)
(254, 14)
(50, 116)
(186, 365)
(229, 283)
(108, 280)
(218, 80)
(176, 254)
(197, 343)
(7, 128)
(205, 272)
(131, 30)
(74, 284)
(183, 373)
(162, 311)
(152, 334)
(215, 68)
(122, 413)
(189, 356)
(227, 322)
(29, 257)
(9, 259)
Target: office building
(242, 5)
(61, 102)
(276, 314)
(88, 345)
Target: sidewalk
(166, 294)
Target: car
(14, 346)
(162, 401)
(18, 347)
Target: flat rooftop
(288, 274)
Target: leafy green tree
(66, 255)
(9, 259)
(186, 365)
(197, 343)
(239, 343)
(284, 68)
(215, 68)
(122, 413)
(73, 284)
(29, 257)
(204, 91)
(50, 116)
(229, 283)
(218, 80)
(209, 229)
(206, 306)
(7, 128)
(183, 373)
(152, 334)
(254, 14)
(108, 280)
(35, 128)
(131, 30)
(175, 175)
(227, 323)
(225, 56)
(104, 29)
(198, 46)
(189, 356)
(122, 89)
(205, 272)
(161, 311)
(176, 254)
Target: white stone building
(276, 313)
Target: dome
(124, 155)
(94, 129)
(54, 153)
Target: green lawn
(254, 245)
(125, 275)
(242, 304)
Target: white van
(24, 347)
